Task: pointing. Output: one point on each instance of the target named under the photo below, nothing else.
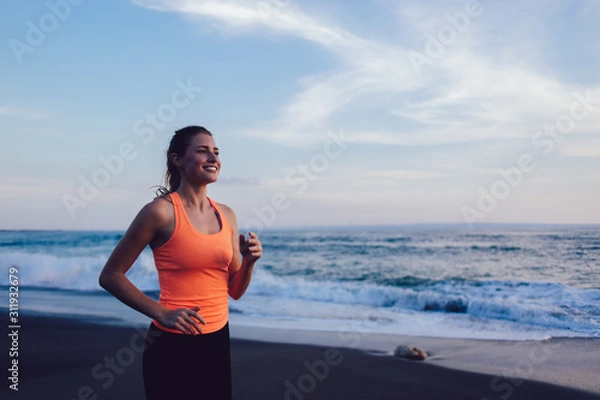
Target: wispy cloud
(10, 111)
(584, 147)
(404, 174)
(477, 90)
(239, 181)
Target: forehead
(203, 139)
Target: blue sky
(326, 113)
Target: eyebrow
(203, 146)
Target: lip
(210, 168)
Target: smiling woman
(200, 261)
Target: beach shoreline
(64, 358)
(567, 361)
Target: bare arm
(246, 251)
(112, 278)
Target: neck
(193, 195)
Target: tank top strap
(179, 211)
(223, 219)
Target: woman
(200, 262)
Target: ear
(176, 160)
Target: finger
(255, 252)
(255, 248)
(191, 325)
(184, 320)
(254, 242)
(199, 318)
(183, 328)
(196, 326)
(242, 239)
(193, 318)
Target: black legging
(178, 366)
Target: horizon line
(351, 226)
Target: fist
(250, 247)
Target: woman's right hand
(187, 320)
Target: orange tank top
(193, 269)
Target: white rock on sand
(410, 352)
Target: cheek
(198, 158)
(191, 163)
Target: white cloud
(469, 93)
(579, 147)
(404, 174)
(10, 111)
(30, 187)
(238, 181)
(488, 93)
(237, 16)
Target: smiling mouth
(210, 169)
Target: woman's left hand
(250, 248)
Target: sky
(326, 113)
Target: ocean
(485, 282)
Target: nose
(212, 156)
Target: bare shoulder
(153, 218)
(159, 210)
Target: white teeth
(212, 169)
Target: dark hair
(178, 145)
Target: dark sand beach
(66, 359)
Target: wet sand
(67, 359)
